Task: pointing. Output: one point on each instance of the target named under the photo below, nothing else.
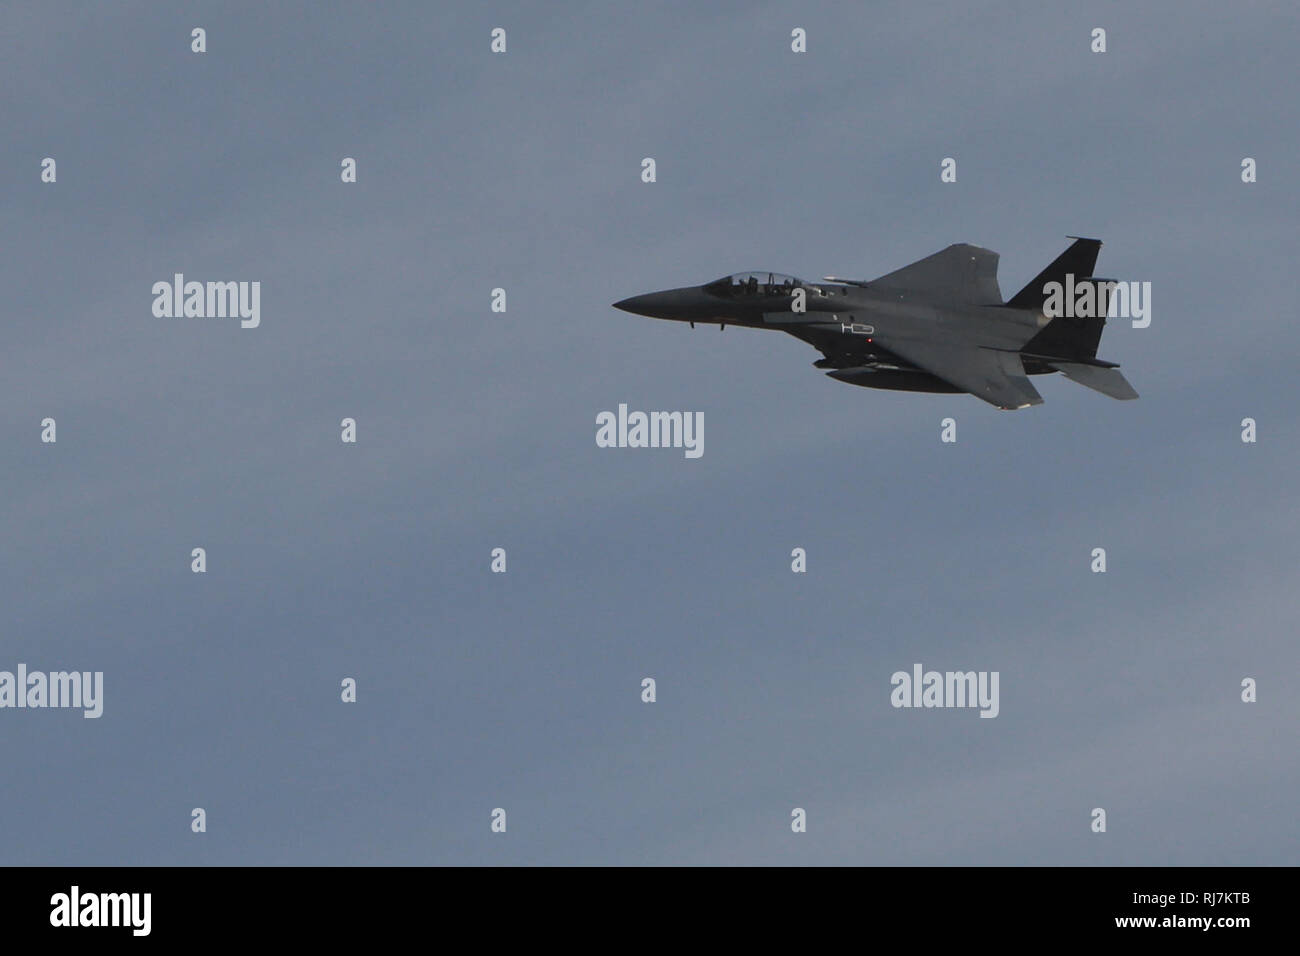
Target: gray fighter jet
(938, 325)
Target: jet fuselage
(846, 319)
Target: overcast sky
(476, 430)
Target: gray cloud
(477, 430)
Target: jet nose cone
(637, 304)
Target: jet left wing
(996, 376)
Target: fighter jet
(937, 325)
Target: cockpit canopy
(754, 284)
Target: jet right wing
(962, 273)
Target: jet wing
(961, 273)
(996, 376)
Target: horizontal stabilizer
(1108, 381)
